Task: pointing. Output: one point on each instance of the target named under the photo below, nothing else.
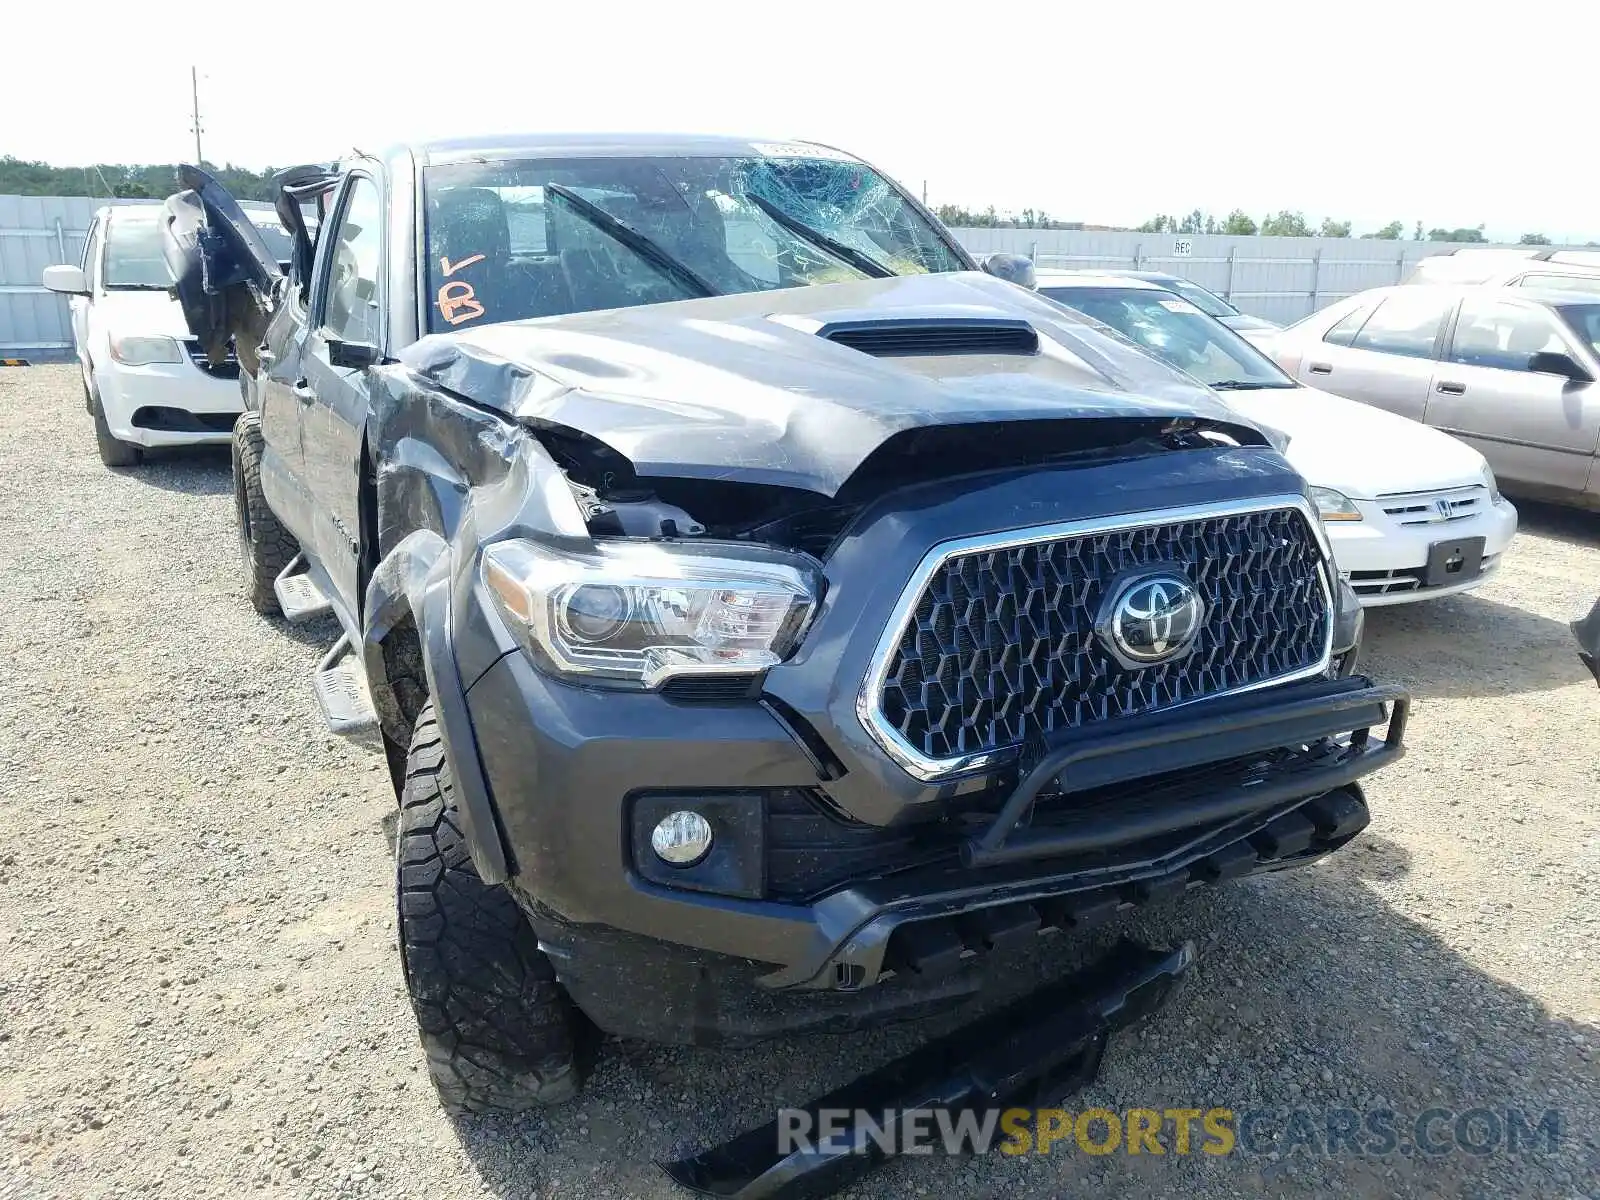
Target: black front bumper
(1201, 795)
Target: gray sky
(1106, 113)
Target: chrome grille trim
(869, 699)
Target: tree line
(23, 177)
(122, 181)
(1294, 224)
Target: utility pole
(194, 91)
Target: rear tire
(497, 1028)
(112, 452)
(265, 546)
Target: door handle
(1321, 369)
(302, 391)
(1452, 389)
(265, 356)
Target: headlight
(635, 614)
(1492, 484)
(1334, 506)
(142, 351)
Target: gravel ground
(200, 994)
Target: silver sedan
(1511, 371)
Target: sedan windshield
(1207, 302)
(1177, 333)
(517, 239)
(1584, 320)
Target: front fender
(413, 583)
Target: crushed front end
(963, 749)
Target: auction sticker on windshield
(1178, 306)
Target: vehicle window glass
(501, 246)
(1584, 320)
(133, 258)
(273, 234)
(1406, 323)
(1565, 283)
(91, 254)
(1344, 330)
(350, 310)
(1495, 334)
(1177, 333)
(1206, 302)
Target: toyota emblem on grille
(1152, 618)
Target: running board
(298, 595)
(1034, 1053)
(341, 686)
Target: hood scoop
(934, 336)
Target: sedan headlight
(1334, 506)
(1492, 484)
(142, 351)
(635, 614)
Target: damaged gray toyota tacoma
(771, 617)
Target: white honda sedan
(146, 381)
(1411, 512)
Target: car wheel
(498, 1030)
(265, 546)
(112, 452)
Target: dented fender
(425, 446)
(415, 581)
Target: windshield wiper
(864, 263)
(1246, 385)
(686, 277)
(138, 287)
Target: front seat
(466, 223)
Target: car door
(347, 315)
(1533, 427)
(1383, 356)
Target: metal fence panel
(1282, 279)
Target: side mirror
(1555, 362)
(67, 280)
(355, 355)
(1013, 268)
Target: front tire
(265, 546)
(112, 452)
(497, 1028)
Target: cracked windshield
(518, 239)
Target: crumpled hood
(745, 387)
(1357, 449)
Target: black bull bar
(1034, 1051)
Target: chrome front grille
(994, 643)
(1436, 508)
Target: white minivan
(146, 381)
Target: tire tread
(497, 1028)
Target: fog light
(681, 838)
